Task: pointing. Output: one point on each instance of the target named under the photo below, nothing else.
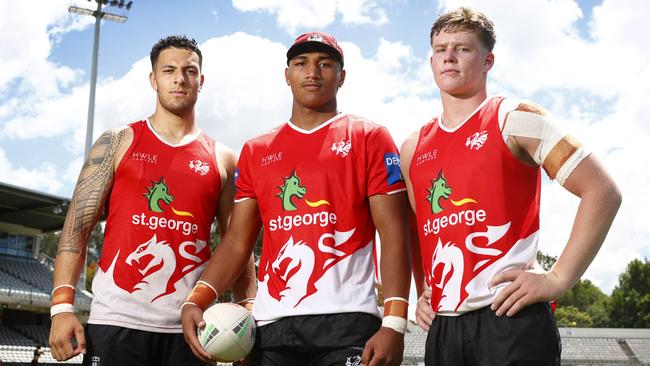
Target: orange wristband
(203, 295)
(396, 307)
(63, 294)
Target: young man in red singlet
(473, 179)
(320, 184)
(163, 181)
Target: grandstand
(26, 274)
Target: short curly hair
(175, 41)
(466, 19)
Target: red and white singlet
(477, 209)
(163, 202)
(312, 188)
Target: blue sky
(586, 61)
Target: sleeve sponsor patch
(392, 163)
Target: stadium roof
(31, 209)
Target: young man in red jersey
(473, 179)
(320, 184)
(163, 181)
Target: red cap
(315, 42)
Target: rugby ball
(229, 332)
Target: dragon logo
(477, 140)
(291, 188)
(298, 266)
(341, 148)
(353, 361)
(156, 193)
(448, 265)
(200, 167)
(158, 267)
(440, 190)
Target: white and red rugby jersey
(477, 209)
(312, 188)
(162, 205)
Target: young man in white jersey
(320, 184)
(162, 182)
(473, 180)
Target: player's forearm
(389, 215)
(228, 262)
(245, 286)
(413, 244)
(395, 274)
(596, 212)
(71, 249)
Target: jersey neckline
(447, 129)
(161, 139)
(321, 126)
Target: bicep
(406, 156)
(245, 223)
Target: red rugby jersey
(163, 202)
(312, 188)
(477, 209)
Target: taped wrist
(395, 314)
(203, 295)
(62, 300)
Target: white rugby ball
(229, 332)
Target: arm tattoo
(93, 186)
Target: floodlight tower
(99, 15)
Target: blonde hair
(466, 19)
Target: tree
(584, 305)
(589, 299)
(49, 242)
(570, 316)
(630, 304)
(545, 260)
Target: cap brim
(313, 46)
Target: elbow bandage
(203, 295)
(557, 153)
(62, 300)
(395, 314)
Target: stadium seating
(31, 280)
(10, 337)
(641, 349)
(28, 270)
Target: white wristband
(60, 286)
(187, 303)
(395, 323)
(61, 308)
(395, 298)
(248, 299)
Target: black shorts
(108, 345)
(314, 340)
(482, 338)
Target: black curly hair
(176, 41)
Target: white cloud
(294, 14)
(42, 178)
(27, 36)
